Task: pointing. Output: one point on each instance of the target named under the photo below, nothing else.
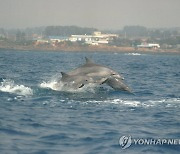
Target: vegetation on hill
(67, 30)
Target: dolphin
(91, 72)
(95, 70)
(73, 81)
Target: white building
(58, 39)
(95, 39)
(41, 41)
(149, 45)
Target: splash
(59, 86)
(10, 87)
(50, 85)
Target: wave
(169, 102)
(9, 86)
(131, 103)
(134, 54)
(106, 94)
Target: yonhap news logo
(126, 141)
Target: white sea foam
(54, 85)
(170, 102)
(130, 103)
(10, 87)
(134, 54)
(167, 102)
(50, 85)
(59, 86)
(125, 102)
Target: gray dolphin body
(74, 81)
(95, 70)
(95, 73)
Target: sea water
(35, 117)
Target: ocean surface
(35, 118)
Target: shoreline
(85, 48)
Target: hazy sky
(102, 14)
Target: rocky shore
(77, 47)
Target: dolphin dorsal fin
(64, 75)
(89, 61)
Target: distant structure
(55, 39)
(149, 45)
(95, 39)
(41, 41)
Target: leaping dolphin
(93, 73)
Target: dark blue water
(34, 118)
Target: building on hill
(95, 39)
(149, 45)
(58, 39)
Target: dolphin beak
(128, 90)
(117, 84)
